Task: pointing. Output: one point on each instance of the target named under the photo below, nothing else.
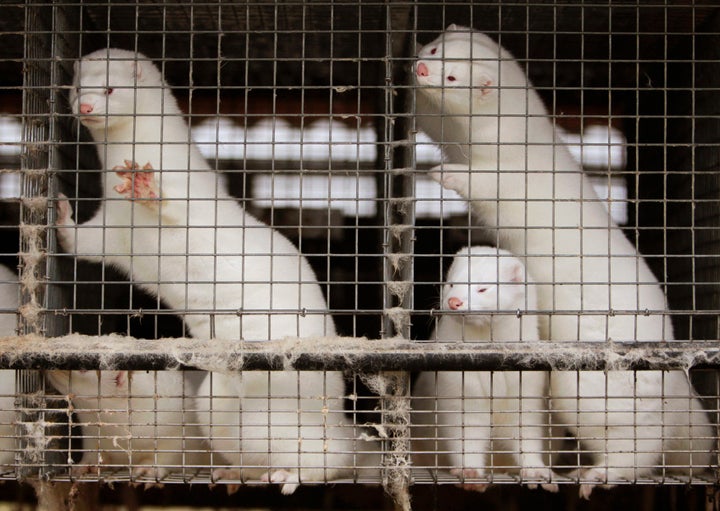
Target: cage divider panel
(398, 224)
(39, 101)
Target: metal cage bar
(288, 79)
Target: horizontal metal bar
(419, 476)
(354, 354)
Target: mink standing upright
(172, 226)
(466, 412)
(504, 156)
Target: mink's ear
(487, 87)
(516, 272)
(482, 81)
(76, 67)
(454, 27)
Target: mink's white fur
(522, 182)
(493, 300)
(133, 419)
(9, 289)
(175, 230)
(474, 99)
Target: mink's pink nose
(422, 69)
(85, 108)
(454, 303)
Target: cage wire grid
(314, 118)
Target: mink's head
(483, 280)
(464, 68)
(111, 87)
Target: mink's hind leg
(137, 183)
(470, 473)
(289, 480)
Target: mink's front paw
(451, 176)
(64, 212)
(137, 183)
(64, 223)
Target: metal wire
(310, 115)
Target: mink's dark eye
(433, 51)
(451, 78)
(482, 290)
(108, 91)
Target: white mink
(9, 289)
(504, 157)
(493, 300)
(133, 418)
(194, 246)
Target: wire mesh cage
(368, 255)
